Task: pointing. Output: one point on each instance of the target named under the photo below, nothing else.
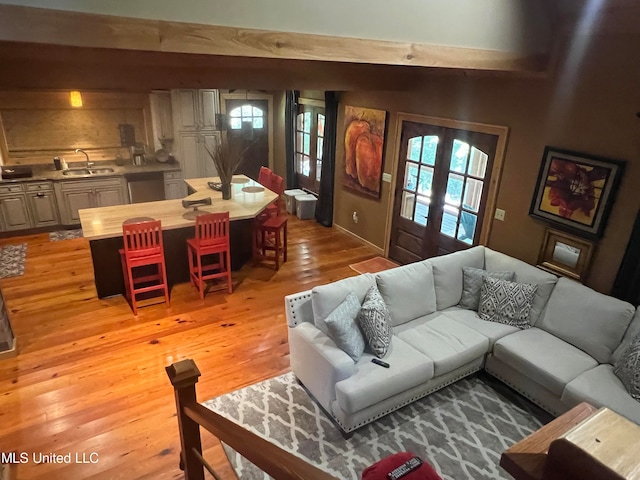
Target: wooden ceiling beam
(44, 26)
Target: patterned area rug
(373, 265)
(12, 260)
(65, 235)
(461, 430)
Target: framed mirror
(566, 255)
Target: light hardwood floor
(90, 376)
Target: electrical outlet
(386, 177)
(499, 214)
(355, 217)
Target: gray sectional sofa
(566, 357)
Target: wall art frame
(364, 135)
(575, 191)
(566, 255)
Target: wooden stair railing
(267, 456)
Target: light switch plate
(386, 177)
(499, 214)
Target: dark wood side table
(526, 459)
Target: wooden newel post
(184, 376)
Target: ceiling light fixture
(76, 98)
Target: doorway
(250, 126)
(441, 189)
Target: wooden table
(103, 228)
(526, 460)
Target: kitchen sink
(87, 171)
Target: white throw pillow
(343, 329)
(472, 285)
(506, 302)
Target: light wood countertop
(106, 222)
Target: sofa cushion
(600, 387)
(449, 344)
(492, 330)
(589, 320)
(408, 291)
(506, 302)
(525, 273)
(547, 360)
(472, 284)
(447, 274)
(325, 298)
(371, 383)
(627, 369)
(373, 319)
(344, 330)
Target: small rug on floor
(12, 260)
(65, 235)
(461, 429)
(373, 265)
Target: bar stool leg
(285, 242)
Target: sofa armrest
(298, 308)
(317, 362)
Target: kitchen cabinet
(162, 119)
(195, 109)
(14, 212)
(174, 186)
(194, 117)
(77, 195)
(42, 204)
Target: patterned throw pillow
(506, 302)
(627, 368)
(472, 284)
(375, 321)
(343, 329)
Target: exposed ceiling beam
(43, 26)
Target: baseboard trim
(379, 251)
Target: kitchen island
(103, 228)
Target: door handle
(39, 194)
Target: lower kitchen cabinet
(14, 213)
(42, 204)
(76, 195)
(174, 186)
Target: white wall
(520, 26)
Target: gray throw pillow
(472, 284)
(375, 321)
(506, 302)
(627, 368)
(343, 329)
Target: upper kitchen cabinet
(162, 115)
(195, 109)
(194, 122)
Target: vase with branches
(226, 157)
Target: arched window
(246, 113)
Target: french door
(441, 190)
(309, 146)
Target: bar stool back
(143, 246)
(212, 237)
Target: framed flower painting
(575, 191)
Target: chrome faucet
(89, 163)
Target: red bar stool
(143, 247)
(264, 177)
(272, 236)
(212, 237)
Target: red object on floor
(143, 246)
(380, 469)
(212, 237)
